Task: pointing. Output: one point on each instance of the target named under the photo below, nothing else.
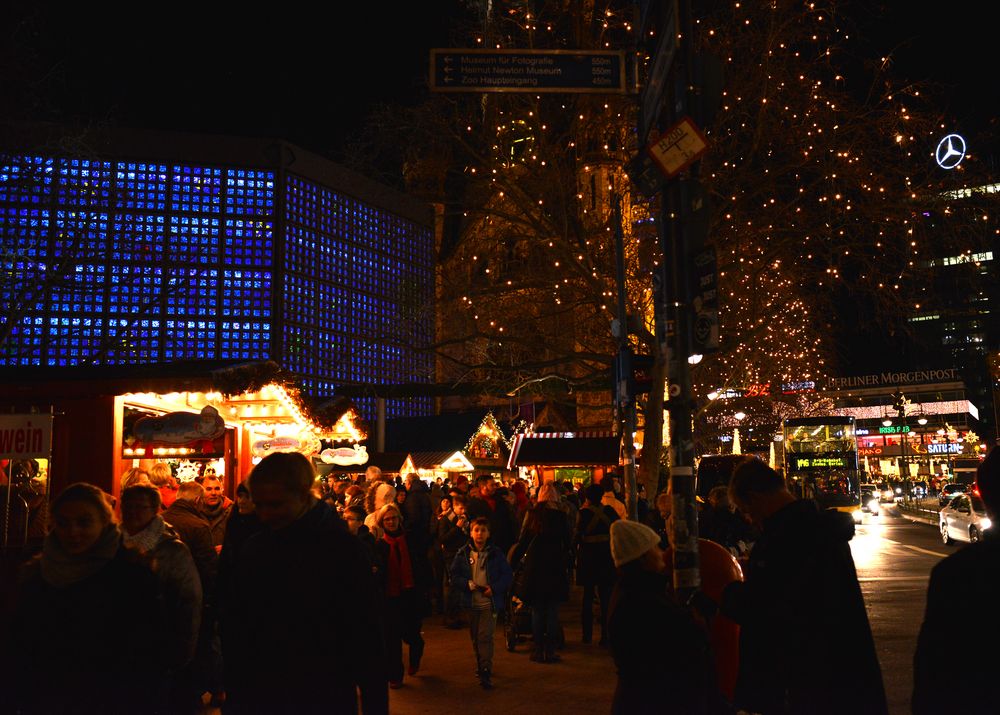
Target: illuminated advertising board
(825, 462)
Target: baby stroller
(517, 614)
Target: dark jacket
(451, 536)
(193, 529)
(94, 646)
(290, 660)
(498, 575)
(963, 594)
(218, 519)
(723, 526)
(501, 516)
(544, 547)
(663, 658)
(594, 565)
(418, 515)
(801, 605)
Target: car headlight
(985, 523)
(899, 490)
(873, 505)
(858, 516)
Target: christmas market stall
(447, 445)
(197, 417)
(578, 457)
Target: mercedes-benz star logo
(950, 151)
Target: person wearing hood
(405, 583)
(289, 660)
(144, 530)
(806, 644)
(662, 655)
(87, 633)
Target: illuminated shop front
(195, 431)
(578, 457)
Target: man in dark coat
(193, 529)
(418, 513)
(290, 660)
(216, 507)
(805, 642)
(595, 570)
(483, 503)
(968, 579)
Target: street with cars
(894, 554)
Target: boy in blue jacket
(481, 572)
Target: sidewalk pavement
(582, 682)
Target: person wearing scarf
(404, 586)
(145, 531)
(87, 633)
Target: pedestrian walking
(662, 655)
(87, 631)
(800, 606)
(483, 502)
(144, 530)
(405, 584)
(595, 569)
(292, 661)
(453, 534)
(969, 578)
(544, 547)
(481, 573)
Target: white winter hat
(630, 540)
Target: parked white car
(963, 519)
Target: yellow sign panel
(678, 148)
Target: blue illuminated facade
(117, 261)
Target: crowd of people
(309, 595)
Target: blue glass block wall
(115, 262)
(354, 276)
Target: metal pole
(676, 208)
(624, 397)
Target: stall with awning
(558, 456)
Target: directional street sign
(678, 147)
(597, 72)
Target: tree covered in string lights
(527, 183)
(818, 187)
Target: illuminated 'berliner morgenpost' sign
(892, 378)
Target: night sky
(311, 76)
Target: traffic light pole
(624, 394)
(676, 243)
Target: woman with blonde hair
(405, 582)
(162, 477)
(135, 476)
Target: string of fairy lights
(814, 194)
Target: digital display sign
(820, 462)
(894, 429)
